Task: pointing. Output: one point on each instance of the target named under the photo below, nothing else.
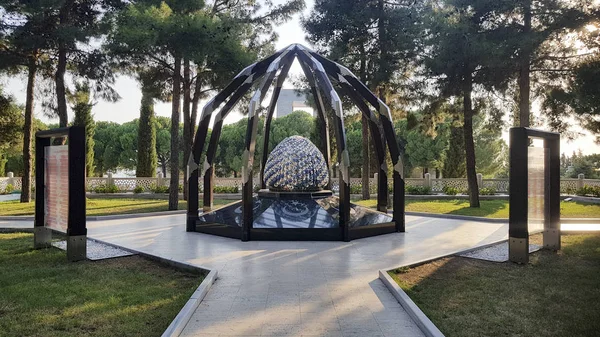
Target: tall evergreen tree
(24, 43)
(464, 50)
(454, 163)
(375, 39)
(146, 150)
(227, 36)
(11, 127)
(81, 105)
(539, 30)
(72, 25)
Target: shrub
(8, 189)
(227, 189)
(355, 189)
(449, 190)
(180, 188)
(106, 189)
(418, 190)
(159, 189)
(487, 191)
(138, 189)
(591, 191)
(99, 189)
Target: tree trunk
(163, 165)
(187, 123)
(146, 149)
(365, 174)
(61, 98)
(195, 101)
(61, 68)
(174, 161)
(524, 71)
(469, 143)
(28, 132)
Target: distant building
(291, 100)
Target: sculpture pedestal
(283, 195)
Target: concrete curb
(17, 218)
(185, 314)
(463, 251)
(132, 216)
(99, 217)
(426, 325)
(179, 322)
(587, 221)
(5, 230)
(458, 217)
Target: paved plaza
(296, 288)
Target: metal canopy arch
(320, 72)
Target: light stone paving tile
(345, 272)
(364, 330)
(281, 330)
(312, 306)
(214, 306)
(318, 329)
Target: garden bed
(44, 295)
(557, 294)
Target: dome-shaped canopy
(295, 165)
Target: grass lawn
(554, 295)
(488, 209)
(44, 295)
(104, 206)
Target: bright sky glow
(127, 108)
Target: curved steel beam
(247, 75)
(287, 57)
(267, 129)
(343, 156)
(379, 145)
(324, 124)
(342, 73)
(208, 166)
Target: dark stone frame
(518, 197)
(76, 221)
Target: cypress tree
(454, 164)
(82, 107)
(146, 148)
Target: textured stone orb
(296, 165)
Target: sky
(291, 32)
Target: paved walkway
(297, 288)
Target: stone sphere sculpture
(296, 165)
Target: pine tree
(465, 51)
(22, 50)
(375, 39)
(538, 30)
